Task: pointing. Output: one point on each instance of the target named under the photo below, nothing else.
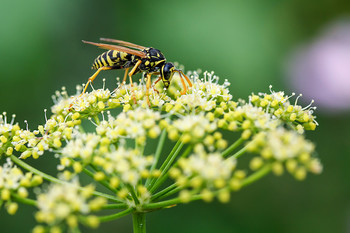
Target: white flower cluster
(279, 105)
(200, 122)
(211, 169)
(129, 165)
(14, 181)
(136, 123)
(287, 147)
(63, 203)
(82, 146)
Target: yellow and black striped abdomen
(113, 58)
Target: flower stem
(133, 194)
(97, 120)
(174, 152)
(239, 153)
(171, 192)
(247, 181)
(139, 222)
(257, 175)
(23, 200)
(114, 206)
(115, 216)
(157, 154)
(164, 175)
(170, 202)
(164, 191)
(55, 180)
(232, 147)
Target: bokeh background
(294, 45)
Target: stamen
(45, 110)
(109, 115)
(90, 119)
(65, 119)
(92, 87)
(54, 99)
(26, 122)
(5, 118)
(104, 83)
(79, 89)
(64, 92)
(13, 118)
(288, 97)
(312, 101)
(296, 100)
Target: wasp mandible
(138, 58)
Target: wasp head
(166, 72)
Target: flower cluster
(7, 132)
(138, 124)
(205, 173)
(284, 147)
(63, 205)
(14, 184)
(278, 104)
(119, 139)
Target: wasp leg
(92, 78)
(160, 78)
(125, 75)
(124, 79)
(130, 77)
(148, 85)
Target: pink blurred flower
(321, 70)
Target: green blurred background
(247, 42)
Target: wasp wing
(118, 48)
(123, 43)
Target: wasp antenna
(187, 79)
(88, 42)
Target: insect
(138, 58)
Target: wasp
(126, 55)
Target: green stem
(139, 222)
(240, 152)
(257, 175)
(163, 192)
(174, 152)
(115, 216)
(157, 154)
(232, 147)
(168, 203)
(97, 120)
(133, 194)
(171, 192)
(247, 181)
(55, 180)
(23, 200)
(164, 175)
(114, 206)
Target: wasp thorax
(155, 54)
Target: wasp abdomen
(115, 59)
